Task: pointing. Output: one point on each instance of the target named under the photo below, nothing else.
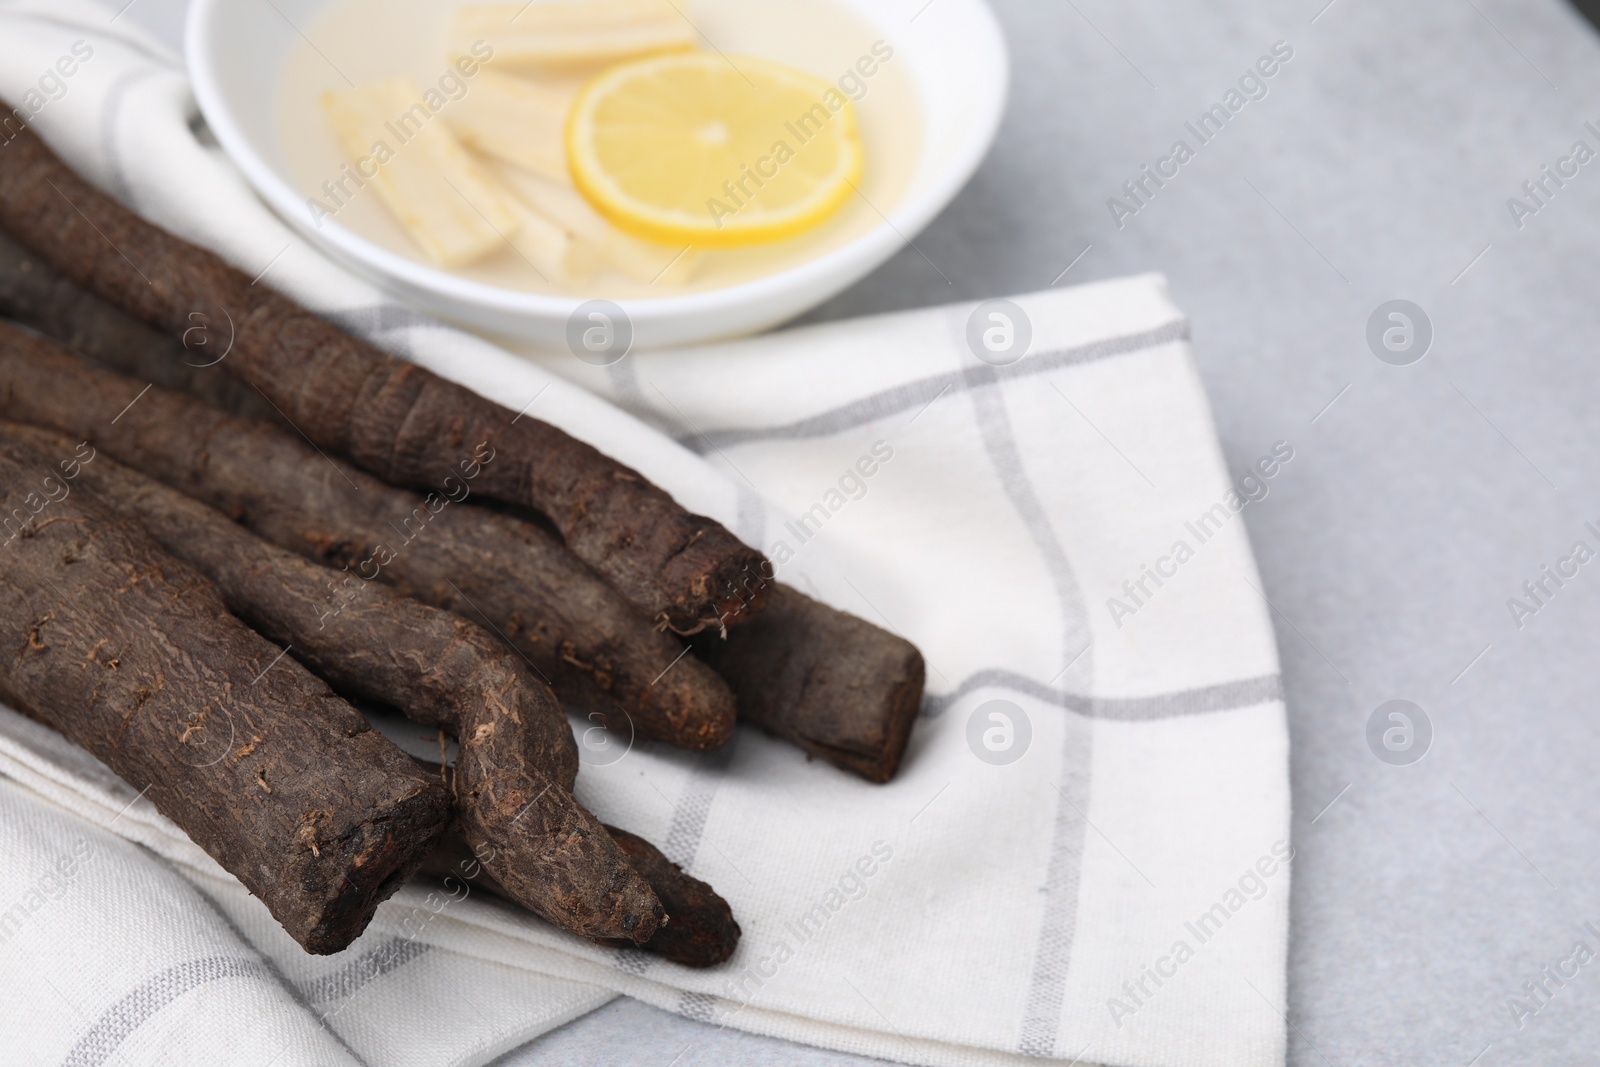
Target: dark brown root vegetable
(702, 932)
(833, 684)
(399, 421)
(517, 760)
(837, 686)
(573, 628)
(36, 295)
(133, 655)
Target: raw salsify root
(576, 632)
(133, 655)
(517, 761)
(396, 419)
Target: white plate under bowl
(953, 48)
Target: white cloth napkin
(1116, 893)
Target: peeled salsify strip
(642, 261)
(559, 255)
(572, 32)
(432, 185)
(515, 120)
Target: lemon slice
(713, 151)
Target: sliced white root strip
(555, 252)
(572, 32)
(515, 120)
(642, 261)
(434, 188)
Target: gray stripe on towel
(701, 1007)
(119, 1021)
(365, 968)
(631, 960)
(382, 318)
(1041, 1010)
(1223, 696)
(623, 377)
(689, 818)
(915, 394)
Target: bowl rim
(898, 227)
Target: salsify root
(394, 418)
(37, 295)
(589, 643)
(132, 654)
(517, 760)
(837, 686)
(702, 932)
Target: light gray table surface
(1377, 167)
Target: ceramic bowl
(958, 65)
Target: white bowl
(957, 61)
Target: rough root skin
(517, 760)
(702, 932)
(573, 628)
(399, 421)
(35, 294)
(837, 686)
(133, 655)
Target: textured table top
(1422, 497)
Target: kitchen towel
(1086, 855)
